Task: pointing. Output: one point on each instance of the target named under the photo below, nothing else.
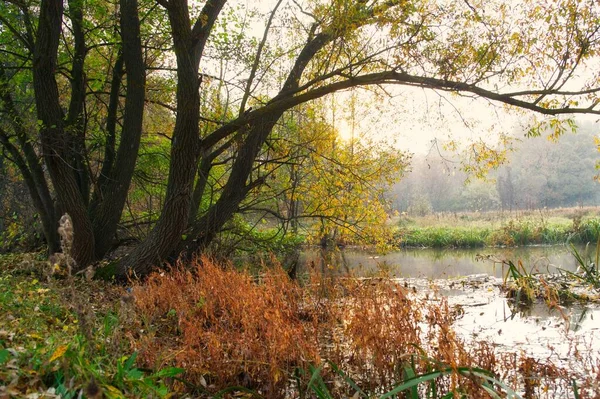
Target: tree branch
(203, 26)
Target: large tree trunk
(166, 237)
(235, 190)
(55, 143)
(75, 120)
(111, 131)
(113, 192)
(185, 149)
(203, 231)
(184, 157)
(49, 222)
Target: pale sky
(413, 117)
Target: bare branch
(257, 58)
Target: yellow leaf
(113, 392)
(58, 353)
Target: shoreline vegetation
(201, 330)
(204, 328)
(498, 229)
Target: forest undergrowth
(208, 330)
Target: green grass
(471, 232)
(443, 237)
(413, 385)
(64, 336)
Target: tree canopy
(82, 83)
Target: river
(448, 263)
(472, 281)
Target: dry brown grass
(223, 327)
(227, 328)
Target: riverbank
(495, 229)
(212, 331)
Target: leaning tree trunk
(75, 119)
(55, 143)
(235, 190)
(29, 165)
(113, 190)
(189, 45)
(184, 157)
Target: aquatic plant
(524, 288)
(587, 270)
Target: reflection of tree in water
(332, 258)
(527, 254)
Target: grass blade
(348, 380)
(415, 382)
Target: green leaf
(316, 383)
(130, 362)
(348, 380)
(415, 382)
(409, 374)
(169, 372)
(4, 356)
(135, 374)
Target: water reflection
(446, 263)
(577, 317)
(537, 329)
(552, 334)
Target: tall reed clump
(223, 327)
(226, 328)
(389, 337)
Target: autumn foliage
(221, 325)
(225, 328)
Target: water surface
(446, 263)
(561, 335)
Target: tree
(506, 190)
(331, 187)
(307, 51)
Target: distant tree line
(538, 173)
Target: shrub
(227, 327)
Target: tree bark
(49, 222)
(236, 188)
(75, 120)
(30, 167)
(55, 144)
(204, 230)
(111, 130)
(106, 216)
(185, 149)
